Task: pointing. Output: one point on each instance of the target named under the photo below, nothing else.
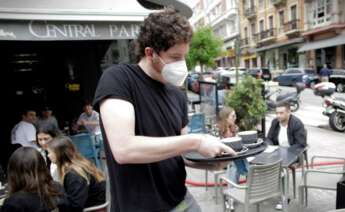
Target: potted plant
(247, 100)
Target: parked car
(230, 73)
(291, 76)
(193, 80)
(338, 78)
(260, 73)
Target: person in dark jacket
(31, 188)
(84, 184)
(286, 129)
(325, 73)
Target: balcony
(293, 27)
(244, 42)
(278, 2)
(266, 36)
(250, 12)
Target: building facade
(271, 33)
(324, 32)
(222, 16)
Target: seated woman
(228, 128)
(31, 187)
(84, 184)
(43, 138)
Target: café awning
(320, 44)
(49, 20)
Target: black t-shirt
(160, 110)
(80, 194)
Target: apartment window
(281, 21)
(293, 12)
(270, 22)
(245, 32)
(261, 4)
(252, 27)
(261, 25)
(252, 4)
(322, 11)
(281, 18)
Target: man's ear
(148, 52)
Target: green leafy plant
(246, 99)
(205, 47)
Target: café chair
(197, 123)
(263, 183)
(97, 208)
(85, 144)
(319, 179)
(299, 163)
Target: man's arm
(119, 122)
(209, 166)
(270, 133)
(90, 123)
(300, 135)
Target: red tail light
(328, 102)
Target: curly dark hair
(162, 30)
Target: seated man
(24, 133)
(47, 121)
(286, 129)
(90, 120)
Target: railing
(270, 33)
(292, 25)
(278, 2)
(250, 12)
(244, 42)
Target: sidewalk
(319, 200)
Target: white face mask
(175, 72)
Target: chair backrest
(197, 123)
(85, 145)
(264, 182)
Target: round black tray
(196, 157)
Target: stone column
(339, 57)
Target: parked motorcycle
(334, 106)
(293, 98)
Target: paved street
(322, 141)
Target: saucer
(253, 145)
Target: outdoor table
(288, 155)
(197, 157)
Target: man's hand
(210, 146)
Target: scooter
(334, 106)
(293, 98)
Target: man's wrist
(195, 141)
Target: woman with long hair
(228, 128)
(31, 188)
(84, 184)
(45, 136)
(227, 122)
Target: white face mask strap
(157, 55)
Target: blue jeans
(239, 167)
